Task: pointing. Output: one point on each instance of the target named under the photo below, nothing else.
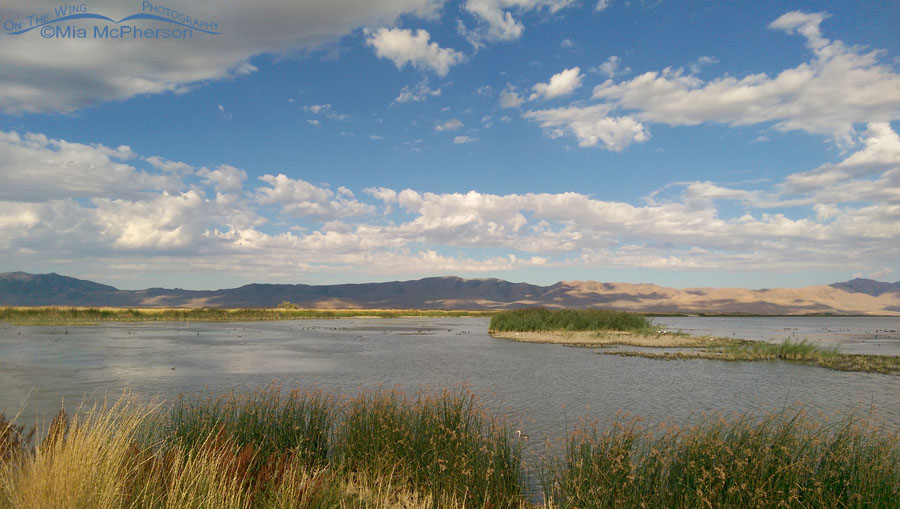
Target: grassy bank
(779, 460)
(55, 315)
(802, 352)
(571, 320)
(386, 449)
(269, 449)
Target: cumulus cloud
(496, 21)
(418, 93)
(403, 47)
(464, 139)
(46, 81)
(509, 98)
(451, 125)
(611, 68)
(34, 167)
(325, 110)
(210, 220)
(562, 83)
(298, 197)
(224, 178)
(841, 86)
(591, 125)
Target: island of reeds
(588, 327)
(434, 450)
(601, 328)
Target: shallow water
(544, 388)
(851, 334)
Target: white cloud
(169, 166)
(839, 87)
(298, 197)
(210, 220)
(418, 93)
(496, 19)
(591, 125)
(68, 76)
(224, 178)
(34, 167)
(509, 98)
(562, 83)
(880, 155)
(223, 113)
(464, 139)
(402, 47)
(610, 68)
(602, 4)
(451, 125)
(326, 110)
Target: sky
(206, 145)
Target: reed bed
(83, 316)
(783, 459)
(543, 319)
(443, 444)
(268, 449)
(802, 352)
(434, 450)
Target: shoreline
(599, 339)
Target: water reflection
(546, 388)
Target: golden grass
(110, 456)
(115, 456)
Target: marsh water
(544, 388)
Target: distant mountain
(868, 286)
(859, 296)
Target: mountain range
(858, 296)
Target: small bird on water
(520, 435)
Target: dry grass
(418, 450)
(253, 452)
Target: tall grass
(434, 450)
(443, 444)
(542, 319)
(268, 421)
(53, 315)
(778, 460)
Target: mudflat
(610, 337)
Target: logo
(65, 22)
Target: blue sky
(688, 144)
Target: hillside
(859, 296)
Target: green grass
(434, 450)
(542, 319)
(443, 444)
(801, 352)
(778, 460)
(84, 316)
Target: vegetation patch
(85, 316)
(434, 450)
(802, 352)
(744, 461)
(543, 319)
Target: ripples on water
(544, 388)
